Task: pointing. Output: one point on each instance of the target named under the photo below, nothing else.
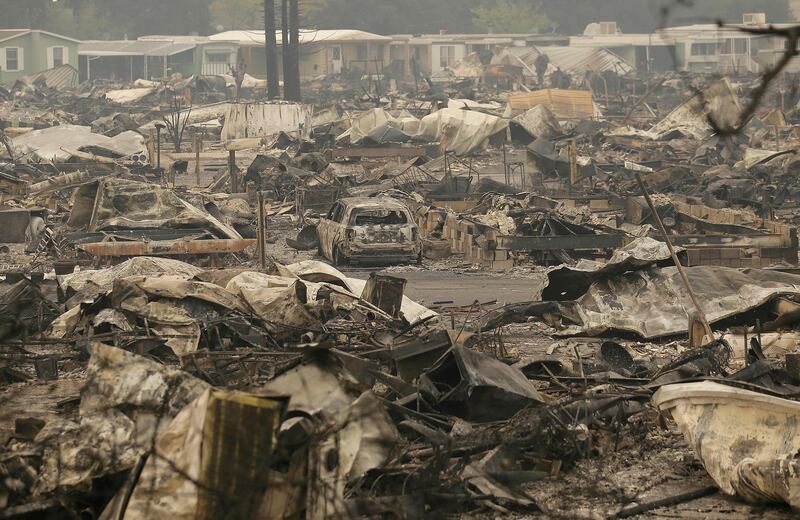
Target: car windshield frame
(377, 213)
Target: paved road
(428, 287)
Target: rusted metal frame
(729, 241)
(568, 242)
(644, 97)
(384, 151)
(177, 247)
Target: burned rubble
(187, 328)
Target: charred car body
(369, 231)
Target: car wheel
(338, 257)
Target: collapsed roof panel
(462, 131)
(109, 204)
(718, 103)
(571, 60)
(653, 302)
(57, 143)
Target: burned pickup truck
(363, 230)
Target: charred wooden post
(233, 172)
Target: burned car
(369, 230)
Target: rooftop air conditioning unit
(754, 18)
(608, 27)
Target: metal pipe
(675, 259)
(158, 147)
(197, 146)
(505, 165)
(262, 232)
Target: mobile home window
(12, 59)
(740, 46)
(447, 56)
(58, 56)
(734, 46)
(704, 49)
(218, 57)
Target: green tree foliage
(142, 17)
(567, 16)
(237, 14)
(392, 16)
(572, 16)
(81, 21)
(509, 16)
(117, 18)
(21, 14)
(108, 18)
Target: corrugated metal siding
(573, 60)
(63, 76)
(563, 103)
(133, 48)
(577, 60)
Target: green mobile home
(28, 51)
(155, 57)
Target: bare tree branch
(176, 121)
(790, 34)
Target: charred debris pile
(173, 343)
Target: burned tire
(338, 257)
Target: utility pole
(293, 82)
(273, 88)
(286, 49)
